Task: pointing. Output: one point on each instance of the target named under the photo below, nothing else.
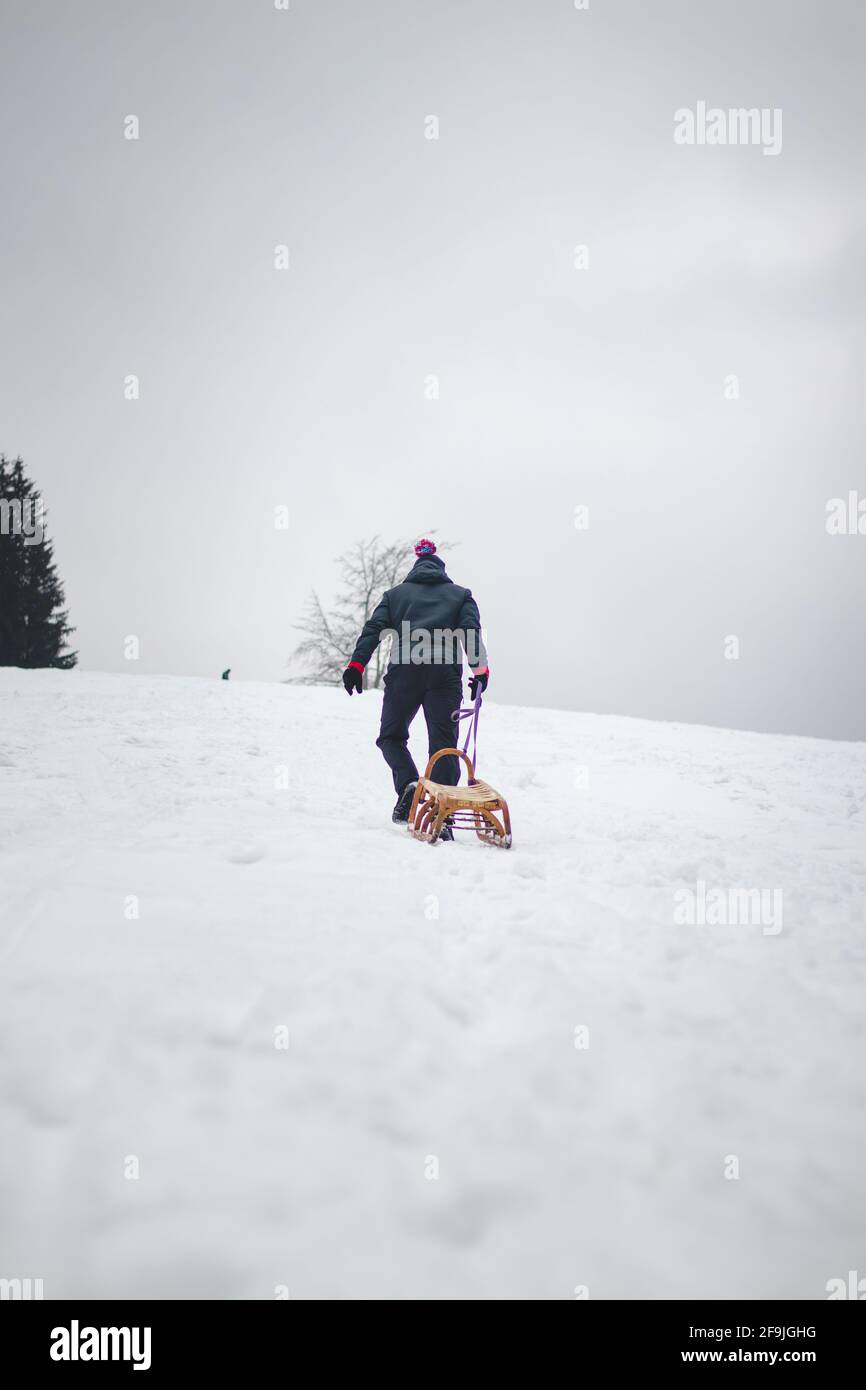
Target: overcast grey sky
(453, 257)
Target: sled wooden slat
(434, 801)
(463, 796)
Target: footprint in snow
(466, 1219)
(530, 868)
(527, 780)
(245, 854)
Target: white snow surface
(430, 996)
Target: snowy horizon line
(672, 723)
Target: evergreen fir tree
(33, 618)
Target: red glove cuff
(355, 666)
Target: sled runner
(473, 807)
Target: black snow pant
(438, 690)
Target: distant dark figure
(226, 673)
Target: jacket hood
(428, 570)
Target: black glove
(353, 680)
(478, 681)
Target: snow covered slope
(431, 997)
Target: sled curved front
(476, 806)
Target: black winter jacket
(431, 621)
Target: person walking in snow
(431, 621)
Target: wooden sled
(474, 807)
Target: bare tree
(366, 570)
